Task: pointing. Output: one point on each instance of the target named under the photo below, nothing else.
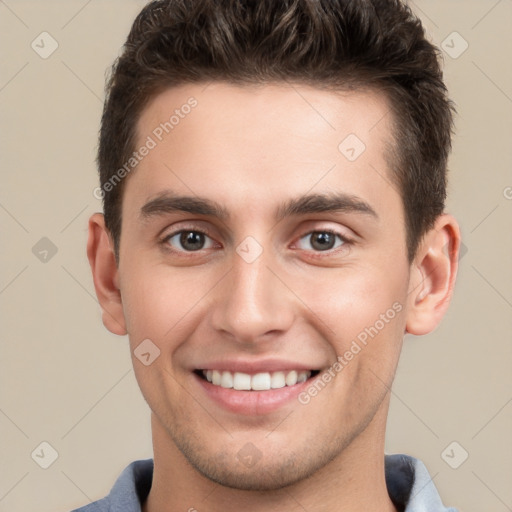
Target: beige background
(67, 381)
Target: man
(274, 178)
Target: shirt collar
(409, 485)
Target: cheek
(166, 304)
(357, 299)
(157, 303)
(365, 312)
(163, 303)
(155, 300)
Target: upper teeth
(256, 382)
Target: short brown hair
(336, 44)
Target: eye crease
(321, 240)
(184, 237)
(325, 242)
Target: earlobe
(433, 275)
(105, 274)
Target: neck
(353, 481)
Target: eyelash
(346, 241)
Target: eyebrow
(169, 202)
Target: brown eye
(322, 241)
(188, 241)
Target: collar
(410, 487)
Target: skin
(251, 149)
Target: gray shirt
(409, 486)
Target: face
(263, 246)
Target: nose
(253, 304)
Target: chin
(263, 476)
(268, 469)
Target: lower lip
(252, 403)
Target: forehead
(257, 107)
(254, 143)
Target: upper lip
(256, 366)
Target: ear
(433, 274)
(100, 252)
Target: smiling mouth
(263, 381)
